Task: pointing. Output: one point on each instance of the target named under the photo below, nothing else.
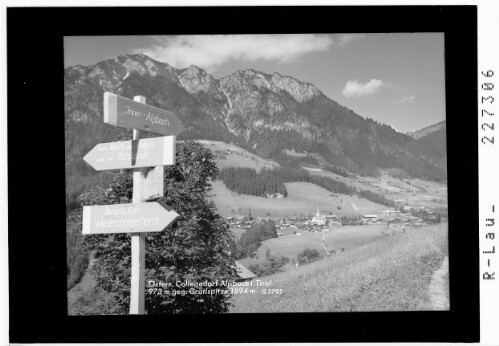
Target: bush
(77, 258)
(271, 265)
(308, 256)
(92, 301)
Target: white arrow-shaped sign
(127, 218)
(130, 114)
(146, 152)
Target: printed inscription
(125, 222)
(123, 218)
(123, 112)
(147, 152)
(150, 117)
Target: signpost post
(138, 244)
(147, 157)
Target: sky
(395, 78)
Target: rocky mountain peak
(195, 80)
(267, 112)
(277, 83)
(301, 91)
(110, 73)
(196, 70)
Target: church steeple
(318, 214)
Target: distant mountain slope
(262, 113)
(433, 140)
(425, 131)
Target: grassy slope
(236, 157)
(347, 237)
(391, 274)
(303, 198)
(418, 193)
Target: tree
(252, 238)
(77, 258)
(195, 248)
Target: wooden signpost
(154, 183)
(147, 152)
(147, 157)
(127, 218)
(123, 112)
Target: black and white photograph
(266, 173)
(249, 174)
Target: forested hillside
(269, 182)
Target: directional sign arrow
(127, 218)
(146, 152)
(123, 112)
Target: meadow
(345, 237)
(234, 156)
(303, 199)
(415, 192)
(389, 274)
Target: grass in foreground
(391, 274)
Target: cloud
(354, 88)
(344, 39)
(406, 99)
(210, 51)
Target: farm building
(389, 212)
(243, 273)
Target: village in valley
(407, 217)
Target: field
(414, 192)
(345, 237)
(303, 199)
(392, 273)
(228, 155)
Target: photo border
(37, 225)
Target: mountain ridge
(427, 130)
(260, 112)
